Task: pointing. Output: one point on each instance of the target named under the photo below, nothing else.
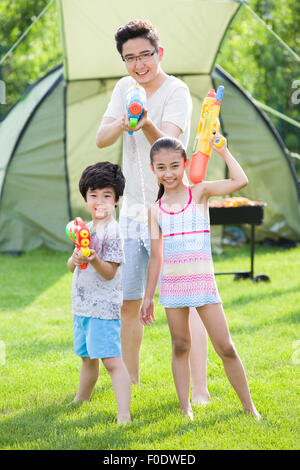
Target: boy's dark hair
(136, 29)
(102, 175)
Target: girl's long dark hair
(167, 143)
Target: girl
(180, 250)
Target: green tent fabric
(48, 137)
(259, 148)
(34, 202)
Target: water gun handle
(85, 252)
(83, 266)
(133, 121)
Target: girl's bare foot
(188, 413)
(124, 419)
(79, 401)
(254, 413)
(201, 399)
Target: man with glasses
(168, 113)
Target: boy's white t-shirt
(170, 103)
(92, 295)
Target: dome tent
(258, 147)
(48, 137)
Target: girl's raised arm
(154, 267)
(237, 180)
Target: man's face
(144, 69)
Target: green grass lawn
(39, 371)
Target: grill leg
(252, 250)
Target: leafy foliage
(39, 51)
(262, 65)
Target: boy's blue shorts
(96, 338)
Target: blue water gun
(135, 104)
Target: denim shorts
(96, 338)
(137, 253)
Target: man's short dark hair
(102, 175)
(136, 29)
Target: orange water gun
(209, 124)
(79, 233)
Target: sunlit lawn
(39, 371)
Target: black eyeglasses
(143, 57)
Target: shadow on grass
(231, 253)
(63, 426)
(39, 348)
(292, 318)
(243, 300)
(25, 277)
(255, 297)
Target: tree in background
(262, 65)
(250, 53)
(38, 52)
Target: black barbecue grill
(253, 215)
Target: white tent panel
(86, 103)
(89, 27)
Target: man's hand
(125, 122)
(143, 120)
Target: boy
(97, 290)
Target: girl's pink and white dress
(187, 278)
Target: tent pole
(65, 151)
